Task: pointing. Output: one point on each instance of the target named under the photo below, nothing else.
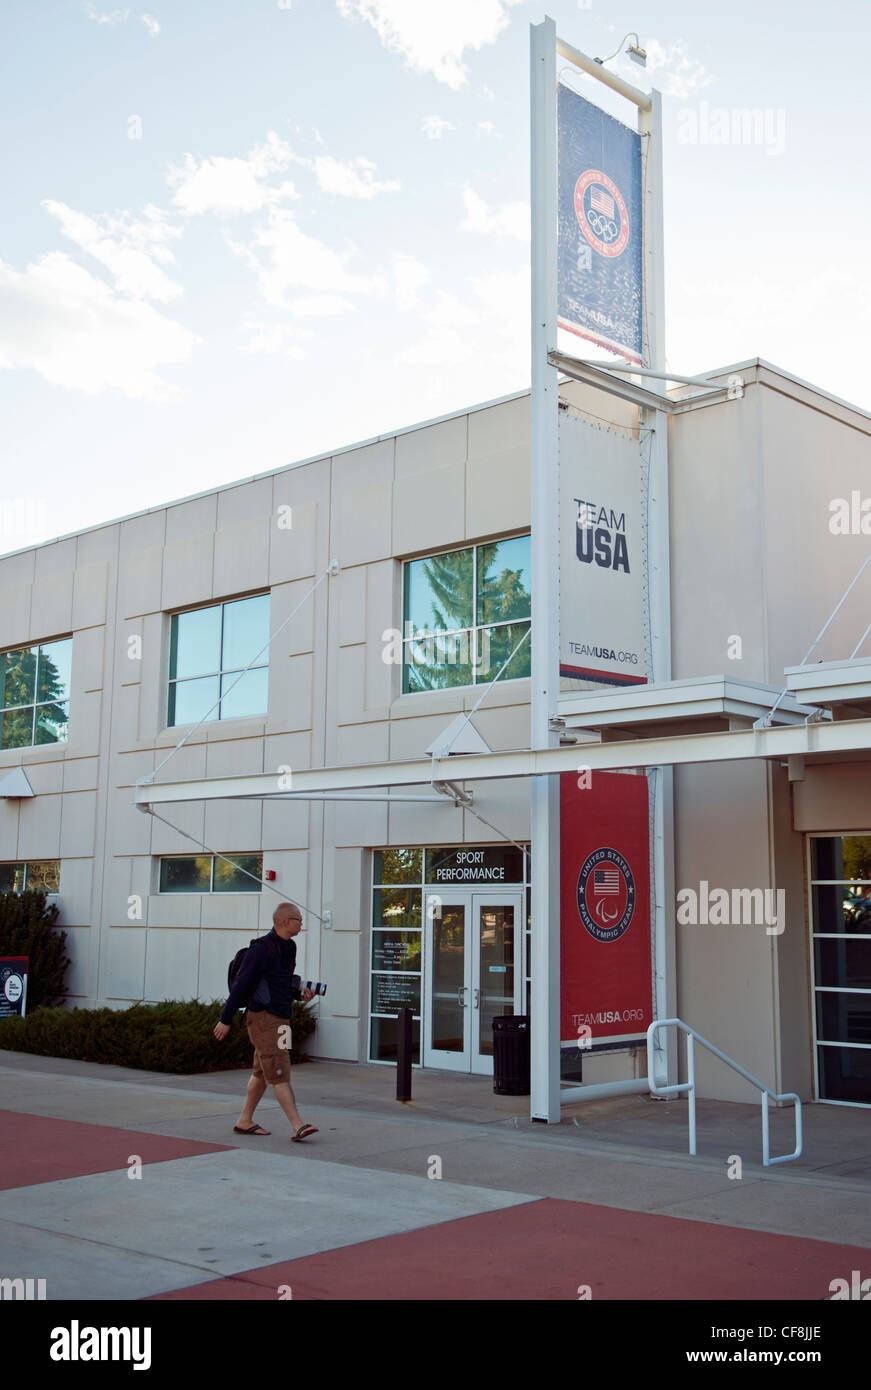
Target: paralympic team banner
(602, 575)
(599, 263)
(605, 957)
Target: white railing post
(691, 1080)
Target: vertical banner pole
(544, 438)
(650, 128)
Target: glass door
(447, 1029)
(498, 922)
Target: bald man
(265, 985)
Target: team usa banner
(606, 980)
(599, 262)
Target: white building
(114, 642)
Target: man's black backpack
(236, 963)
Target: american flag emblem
(606, 881)
(600, 201)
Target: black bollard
(403, 1054)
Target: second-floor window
(209, 873)
(464, 612)
(208, 649)
(35, 694)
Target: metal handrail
(689, 1086)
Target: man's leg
(286, 1099)
(253, 1096)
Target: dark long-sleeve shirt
(265, 980)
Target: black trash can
(511, 1055)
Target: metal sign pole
(544, 438)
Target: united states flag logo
(601, 201)
(606, 882)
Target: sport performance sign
(599, 267)
(604, 907)
(602, 574)
(13, 986)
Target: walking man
(265, 985)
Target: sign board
(13, 986)
(605, 908)
(599, 269)
(472, 864)
(602, 570)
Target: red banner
(604, 906)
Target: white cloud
(434, 127)
(352, 179)
(320, 306)
(484, 328)
(432, 37)
(669, 68)
(287, 258)
(129, 249)
(231, 185)
(151, 25)
(485, 128)
(270, 338)
(509, 219)
(106, 17)
(59, 320)
(409, 276)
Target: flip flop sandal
(303, 1132)
(255, 1129)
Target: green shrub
(27, 929)
(175, 1036)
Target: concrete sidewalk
(238, 1208)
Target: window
(841, 934)
(207, 873)
(209, 648)
(464, 612)
(34, 694)
(39, 875)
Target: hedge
(175, 1036)
(27, 929)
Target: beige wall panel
(51, 609)
(45, 778)
(130, 639)
(129, 829)
(291, 750)
(337, 1038)
(125, 716)
(186, 519)
(124, 964)
(189, 816)
(228, 910)
(141, 581)
(432, 449)
(706, 446)
(443, 704)
(80, 774)
(15, 627)
(90, 587)
(171, 964)
(293, 550)
(55, 560)
(498, 499)
(176, 910)
(242, 558)
(8, 827)
(39, 828)
(87, 664)
(237, 759)
(356, 823)
(84, 726)
(76, 888)
(247, 502)
(412, 824)
(362, 531)
(217, 949)
(290, 693)
(410, 738)
(504, 728)
(793, 946)
(351, 589)
(233, 826)
(505, 804)
(833, 798)
(98, 547)
(17, 569)
(429, 510)
(299, 635)
(79, 947)
(365, 467)
(187, 571)
(351, 678)
(78, 824)
(363, 743)
(341, 974)
(725, 974)
(118, 885)
(500, 427)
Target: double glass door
(471, 974)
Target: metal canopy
(715, 699)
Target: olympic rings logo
(604, 228)
(606, 234)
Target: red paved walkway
(34, 1148)
(545, 1250)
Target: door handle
(477, 1003)
(460, 992)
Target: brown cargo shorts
(271, 1061)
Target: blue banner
(599, 265)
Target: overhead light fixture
(635, 51)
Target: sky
(240, 233)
